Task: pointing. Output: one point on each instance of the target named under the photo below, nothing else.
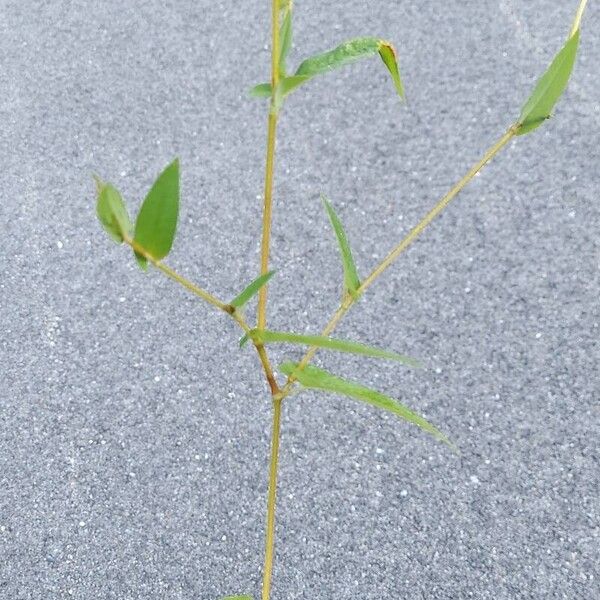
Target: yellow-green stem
(188, 285)
(262, 302)
(400, 248)
(267, 217)
(227, 308)
(270, 166)
(270, 537)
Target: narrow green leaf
(262, 90)
(350, 52)
(157, 220)
(244, 340)
(549, 88)
(315, 378)
(112, 213)
(351, 279)
(251, 290)
(285, 40)
(238, 598)
(388, 56)
(343, 54)
(267, 336)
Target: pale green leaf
(112, 213)
(315, 378)
(289, 84)
(262, 90)
(267, 336)
(549, 88)
(251, 290)
(157, 220)
(238, 598)
(285, 40)
(351, 279)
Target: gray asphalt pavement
(134, 433)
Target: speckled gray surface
(133, 431)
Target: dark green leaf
(157, 220)
(244, 340)
(315, 378)
(112, 213)
(262, 90)
(351, 279)
(285, 40)
(251, 290)
(267, 336)
(549, 88)
(388, 56)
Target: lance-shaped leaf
(285, 40)
(549, 88)
(351, 279)
(350, 52)
(238, 598)
(315, 378)
(267, 336)
(112, 213)
(251, 290)
(157, 220)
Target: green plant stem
(212, 300)
(262, 302)
(348, 301)
(272, 497)
(262, 354)
(267, 217)
(269, 167)
(188, 285)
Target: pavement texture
(134, 433)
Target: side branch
(214, 301)
(399, 249)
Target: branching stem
(236, 315)
(348, 301)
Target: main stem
(270, 544)
(269, 168)
(262, 302)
